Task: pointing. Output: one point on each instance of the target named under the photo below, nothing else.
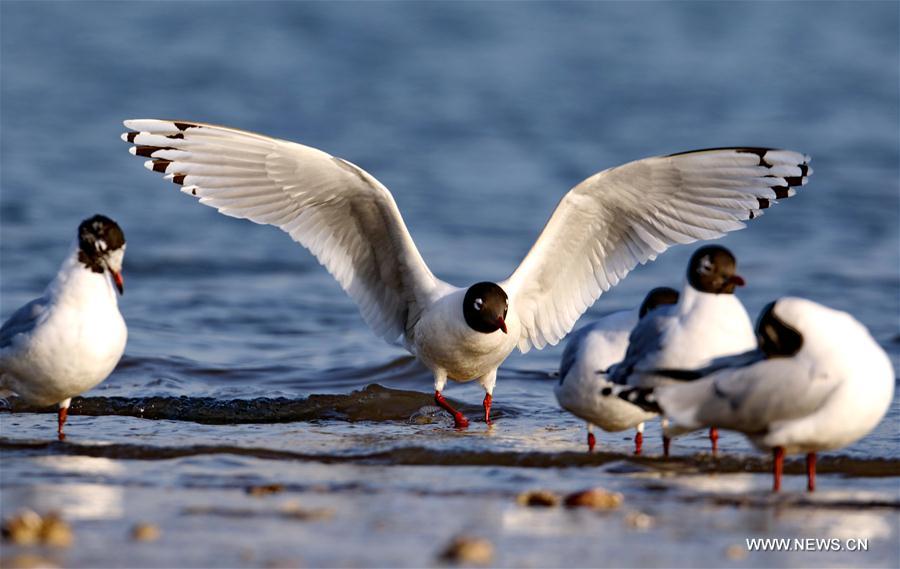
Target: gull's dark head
(658, 297)
(776, 338)
(101, 247)
(713, 269)
(485, 307)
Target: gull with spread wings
(600, 230)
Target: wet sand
(369, 493)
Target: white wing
(627, 215)
(749, 398)
(343, 215)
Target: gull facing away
(70, 339)
(601, 230)
(589, 352)
(707, 322)
(818, 381)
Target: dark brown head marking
(485, 306)
(712, 269)
(97, 237)
(658, 297)
(776, 338)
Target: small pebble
(23, 528)
(28, 528)
(468, 550)
(264, 489)
(639, 520)
(595, 498)
(538, 498)
(56, 532)
(736, 552)
(145, 532)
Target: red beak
(117, 278)
(737, 280)
(501, 324)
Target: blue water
(478, 117)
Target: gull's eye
(478, 303)
(706, 266)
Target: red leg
(714, 439)
(487, 408)
(458, 418)
(811, 472)
(777, 467)
(61, 415)
(666, 443)
(592, 441)
(638, 442)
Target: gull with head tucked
(589, 353)
(817, 381)
(601, 230)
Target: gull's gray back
(22, 321)
(645, 339)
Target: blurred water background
(478, 116)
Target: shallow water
(247, 364)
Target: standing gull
(70, 339)
(818, 381)
(706, 323)
(588, 354)
(601, 230)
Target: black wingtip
(147, 151)
(759, 151)
(160, 165)
(679, 374)
(782, 192)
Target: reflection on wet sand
(73, 501)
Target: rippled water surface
(246, 363)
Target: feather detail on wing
(627, 215)
(22, 321)
(343, 215)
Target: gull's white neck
(691, 299)
(76, 283)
